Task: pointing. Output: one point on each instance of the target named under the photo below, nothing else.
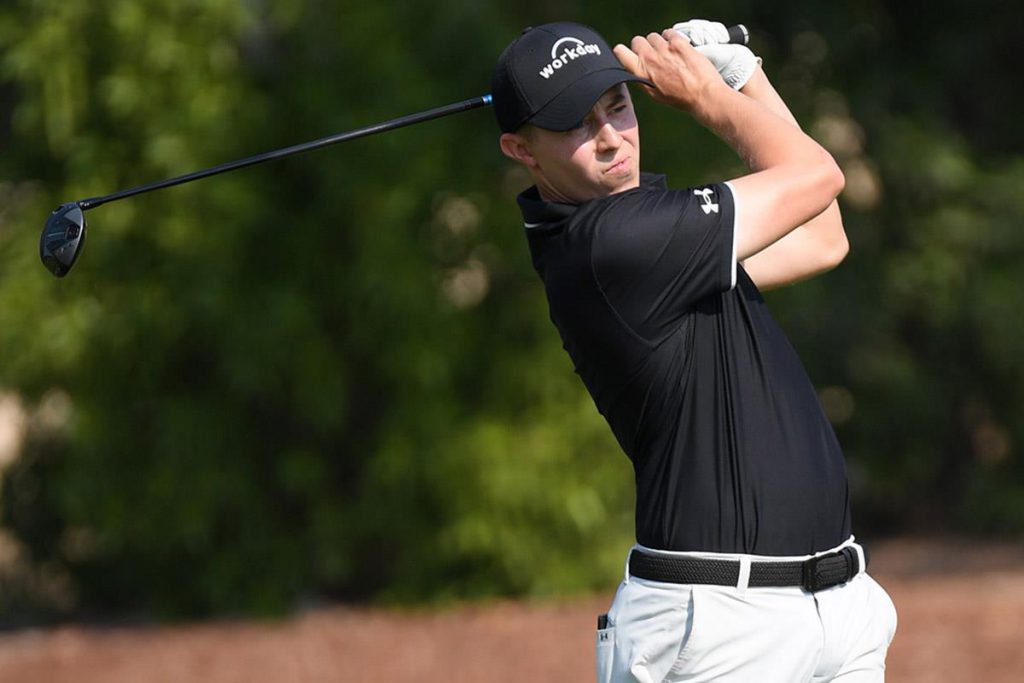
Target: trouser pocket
(605, 649)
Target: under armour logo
(709, 206)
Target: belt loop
(862, 565)
(744, 578)
(625, 577)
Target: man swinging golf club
(745, 568)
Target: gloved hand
(735, 63)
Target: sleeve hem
(735, 235)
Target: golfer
(745, 567)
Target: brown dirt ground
(961, 610)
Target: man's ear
(517, 148)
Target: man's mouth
(619, 167)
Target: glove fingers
(703, 32)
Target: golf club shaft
(400, 122)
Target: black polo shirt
(730, 446)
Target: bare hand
(682, 76)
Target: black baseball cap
(552, 75)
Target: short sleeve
(657, 253)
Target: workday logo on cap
(572, 49)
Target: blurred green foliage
(333, 376)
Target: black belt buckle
(815, 577)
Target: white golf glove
(735, 63)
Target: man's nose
(608, 137)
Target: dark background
(333, 377)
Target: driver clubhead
(63, 238)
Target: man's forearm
(760, 89)
(814, 247)
(762, 141)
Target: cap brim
(572, 105)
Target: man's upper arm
(811, 249)
(782, 196)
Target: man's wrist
(715, 105)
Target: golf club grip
(738, 34)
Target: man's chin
(624, 182)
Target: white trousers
(665, 632)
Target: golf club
(63, 235)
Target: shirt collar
(537, 211)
